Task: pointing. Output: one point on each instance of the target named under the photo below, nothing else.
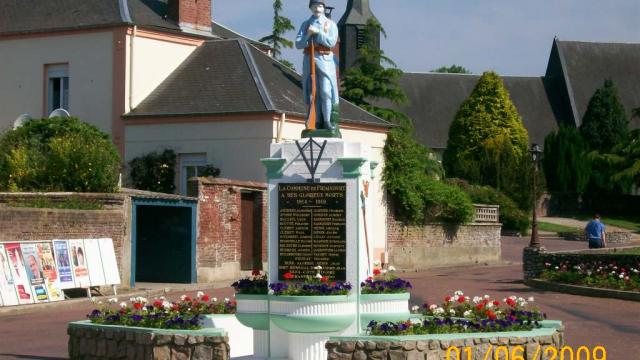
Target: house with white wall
(158, 74)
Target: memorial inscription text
(312, 230)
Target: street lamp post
(535, 156)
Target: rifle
(311, 121)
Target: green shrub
(58, 154)
(154, 171)
(511, 217)
(488, 143)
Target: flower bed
(318, 286)
(597, 274)
(384, 282)
(185, 314)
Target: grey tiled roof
(434, 100)
(587, 64)
(232, 76)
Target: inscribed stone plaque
(312, 230)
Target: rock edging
(102, 342)
(583, 290)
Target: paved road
(614, 324)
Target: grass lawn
(631, 251)
(545, 226)
(629, 223)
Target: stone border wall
(435, 349)
(617, 237)
(583, 290)
(534, 259)
(118, 343)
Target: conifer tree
(281, 25)
(411, 172)
(565, 162)
(605, 122)
(488, 144)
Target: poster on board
(45, 254)
(79, 262)
(63, 263)
(18, 271)
(109, 262)
(34, 272)
(94, 262)
(7, 285)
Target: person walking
(595, 233)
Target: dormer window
(57, 87)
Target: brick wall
(20, 224)
(421, 247)
(195, 14)
(220, 226)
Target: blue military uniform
(326, 65)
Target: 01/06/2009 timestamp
(538, 352)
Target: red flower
(511, 302)
(496, 303)
(480, 306)
(447, 299)
(205, 298)
(255, 272)
(137, 306)
(461, 299)
(324, 279)
(157, 304)
(376, 272)
(175, 307)
(491, 315)
(369, 278)
(288, 276)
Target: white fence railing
(486, 213)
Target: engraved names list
(312, 230)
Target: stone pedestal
(320, 181)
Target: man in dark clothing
(595, 233)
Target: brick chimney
(191, 14)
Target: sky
(512, 37)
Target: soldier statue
(317, 36)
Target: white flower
(468, 314)
(452, 312)
(123, 305)
(621, 276)
(132, 299)
(144, 309)
(199, 294)
(626, 278)
(166, 305)
(113, 300)
(487, 297)
(226, 300)
(415, 308)
(318, 268)
(557, 268)
(433, 307)
(504, 300)
(477, 299)
(215, 299)
(489, 305)
(392, 268)
(530, 299)
(183, 297)
(513, 297)
(376, 263)
(466, 298)
(383, 271)
(452, 299)
(438, 311)
(458, 293)
(271, 292)
(318, 276)
(162, 298)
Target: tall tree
(488, 143)
(605, 122)
(369, 80)
(281, 25)
(453, 69)
(411, 171)
(565, 162)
